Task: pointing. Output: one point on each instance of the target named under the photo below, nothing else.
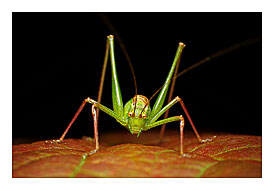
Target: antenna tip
(110, 36)
(182, 44)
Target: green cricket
(136, 115)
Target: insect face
(136, 111)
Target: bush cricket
(137, 115)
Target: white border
(9, 6)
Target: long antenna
(197, 64)
(215, 55)
(220, 53)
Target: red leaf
(225, 156)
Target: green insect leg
(168, 120)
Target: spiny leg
(192, 124)
(153, 121)
(89, 100)
(168, 120)
(94, 113)
(169, 105)
(170, 98)
(203, 61)
(70, 124)
(190, 120)
(181, 135)
(74, 118)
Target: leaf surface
(124, 155)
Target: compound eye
(144, 115)
(131, 114)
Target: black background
(57, 60)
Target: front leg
(192, 124)
(172, 119)
(94, 113)
(70, 124)
(153, 121)
(168, 120)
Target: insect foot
(93, 152)
(186, 155)
(84, 156)
(53, 141)
(208, 140)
